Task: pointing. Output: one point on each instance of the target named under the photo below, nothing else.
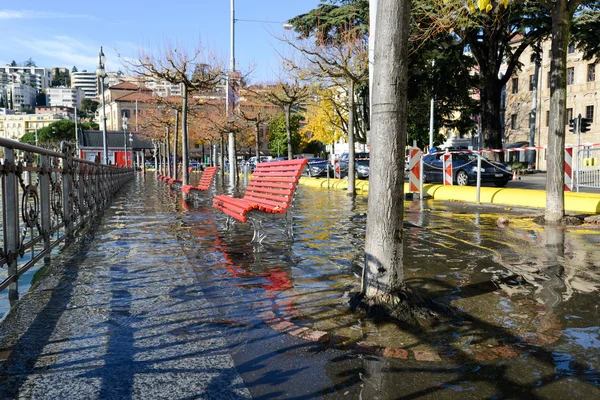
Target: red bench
(205, 181)
(269, 195)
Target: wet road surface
(161, 302)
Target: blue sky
(69, 32)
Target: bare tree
(256, 112)
(198, 70)
(287, 95)
(344, 63)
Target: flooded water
(525, 296)
(526, 321)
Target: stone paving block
(395, 353)
(425, 355)
(316, 336)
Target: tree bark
(222, 156)
(491, 94)
(288, 132)
(383, 270)
(184, 137)
(351, 156)
(170, 171)
(257, 140)
(175, 144)
(555, 200)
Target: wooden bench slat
(281, 192)
(275, 173)
(273, 202)
(276, 185)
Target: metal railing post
(67, 188)
(11, 222)
(45, 203)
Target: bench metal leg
(289, 226)
(259, 231)
(229, 223)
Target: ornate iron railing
(46, 197)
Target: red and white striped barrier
(447, 159)
(414, 165)
(568, 169)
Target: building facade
(64, 96)
(86, 82)
(17, 95)
(15, 126)
(39, 78)
(583, 97)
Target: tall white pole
(104, 134)
(228, 110)
(431, 110)
(76, 134)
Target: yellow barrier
(585, 203)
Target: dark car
(464, 170)
(317, 167)
(361, 162)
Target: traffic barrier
(568, 169)
(447, 165)
(337, 171)
(414, 165)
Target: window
(589, 113)
(569, 115)
(513, 121)
(571, 49)
(548, 118)
(127, 113)
(531, 82)
(515, 85)
(570, 76)
(591, 75)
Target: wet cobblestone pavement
(160, 301)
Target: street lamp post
(100, 74)
(125, 137)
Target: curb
(585, 203)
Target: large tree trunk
(222, 156)
(175, 145)
(383, 274)
(169, 152)
(288, 132)
(491, 95)
(351, 158)
(257, 140)
(184, 137)
(555, 179)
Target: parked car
(361, 162)
(252, 161)
(464, 170)
(317, 167)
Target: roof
(94, 139)
(132, 97)
(125, 86)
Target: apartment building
(17, 95)
(15, 126)
(64, 96)
(39, 78)
(86, 82)
(583, 97)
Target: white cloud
(62, 50)
(30, 14)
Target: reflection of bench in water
(205, 181)
(268, 196)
